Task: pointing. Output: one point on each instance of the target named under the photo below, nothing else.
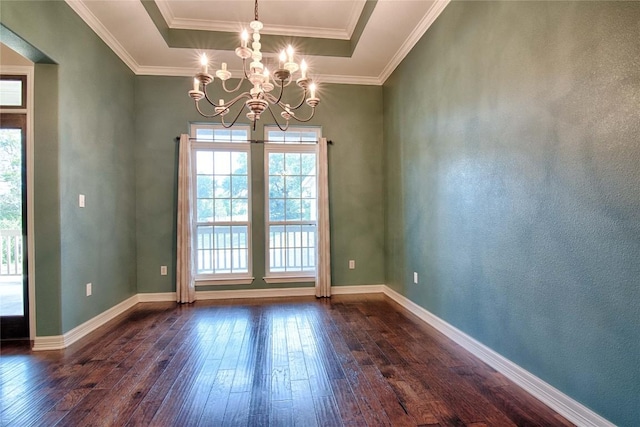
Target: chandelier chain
(255, 11)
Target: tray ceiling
(345, 41)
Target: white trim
(289, 279)
(31, 235)
(94, 23)
(432, 14)
(149, 70)
(226, 281)
(54, 342)
(255, 293)
(157, 297)
(347, 80)
(58, 342)
(357, 289)
(61, 341)
(546, 393)
(280, 30)
(166, 11)
(233, 27)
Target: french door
(14, 297)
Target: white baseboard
(157, 297)
(546, 393)
(58, 342)
(53, 342)
(549, 395)
(357, 289)
(256, 293)
(287, 292)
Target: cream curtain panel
(185, 284)
(323, 269)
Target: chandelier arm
(272, 99)
(233, 122)
(313, 111)
(234, 100)
(289, 80)
(304, 96)
(208, 116)
(224, 85)
(281, 92)
(244, 69)
(276, 121)
(206, 96)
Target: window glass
(222, 193)
(293, 136)
(290, 162)
(12, 91)
(204, 133)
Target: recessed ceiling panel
(334, 19)
(376, 45)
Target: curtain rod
(254, 141)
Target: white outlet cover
(81, 200)
(415, 277)
(163, 270)
(352, 264)
(89, 289)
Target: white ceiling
(391, 31)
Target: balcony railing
(292, 248)
(10, 252)
(224, 249)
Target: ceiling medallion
(259, 98)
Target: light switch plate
(163, 270)
(81, 200)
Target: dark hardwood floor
(352, 361)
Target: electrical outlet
(415, 277)
(163, 270)
(352, 264)
(81, 200)
(88, 289)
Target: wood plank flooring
(348, 361)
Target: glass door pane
(13, 279)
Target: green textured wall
(513, 188)
(350, 115)
(47, 200)
(84, 143)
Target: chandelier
(259, 98)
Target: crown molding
(225, 26)
(280, 30)
(322, 78)
(348, 80)
(434, 11)
(90, 19)
(166, 11)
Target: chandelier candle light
(259, 97)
